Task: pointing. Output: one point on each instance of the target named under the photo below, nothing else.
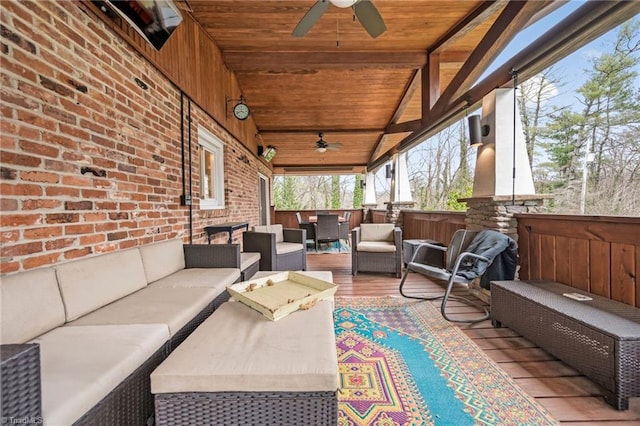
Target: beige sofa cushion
(282, 248)
(81, 365)
(238, 349)
(31, 305)
(273, 229)
(216, 278)
(90, 283)
(376, 247)
(162, 259)
(172, 306)
(247, 259)
(376, 232)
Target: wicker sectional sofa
(102, 324)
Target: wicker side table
(598, 337)
(429, 257)
(20, 377)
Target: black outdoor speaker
(475, 130)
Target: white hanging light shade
(343, 3)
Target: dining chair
(327, 229)
(345, 228)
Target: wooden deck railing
(599, 254)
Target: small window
(211, 170)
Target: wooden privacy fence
(592, 253)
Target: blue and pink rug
(401, 363)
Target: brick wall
(69, 103)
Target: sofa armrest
(212, 256)
(20, 379)
(292, 235)
(355, 236)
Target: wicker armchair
(280, 249)
(376, 247)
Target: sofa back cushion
(272, 229)
(31, 305)
(89, 284)
(162, 259)
(376, 231)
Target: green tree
(285, 194)
(358, 193)
(335, 191)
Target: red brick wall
(68, 101)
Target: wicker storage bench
(598, 337)
(239, 368)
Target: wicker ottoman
(239, 368)
(598, 337)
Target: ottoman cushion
(238, 349)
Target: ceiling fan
(364, 10)
(324, 146)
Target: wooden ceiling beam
(300, 130)
(300, 61)
(514, 16)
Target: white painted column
(370, 189)
(495, 161)
(402, 188)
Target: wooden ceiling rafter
(513, 17)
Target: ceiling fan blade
(334, 146)
(310, 18)
(369, 17)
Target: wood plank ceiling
(367, 94)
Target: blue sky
(570, 70)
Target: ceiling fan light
(321, 149)
(343, 3)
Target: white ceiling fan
(364, 10)
(324, 146)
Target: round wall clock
(241, 111)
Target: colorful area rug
(333, 247)
(401, 363)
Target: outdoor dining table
(314, 219)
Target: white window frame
(210, 143)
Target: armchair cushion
(376, 246)
(272, 229)
(283, 248)
(377, 232)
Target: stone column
(497, 212)
(393, 211)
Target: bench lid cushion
(216, 278)
(162, 259)
(81, 365)
(174, 307)
(91, 283)
(238, 349)
(376, 231)
(31, 305)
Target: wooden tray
(278, 295)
